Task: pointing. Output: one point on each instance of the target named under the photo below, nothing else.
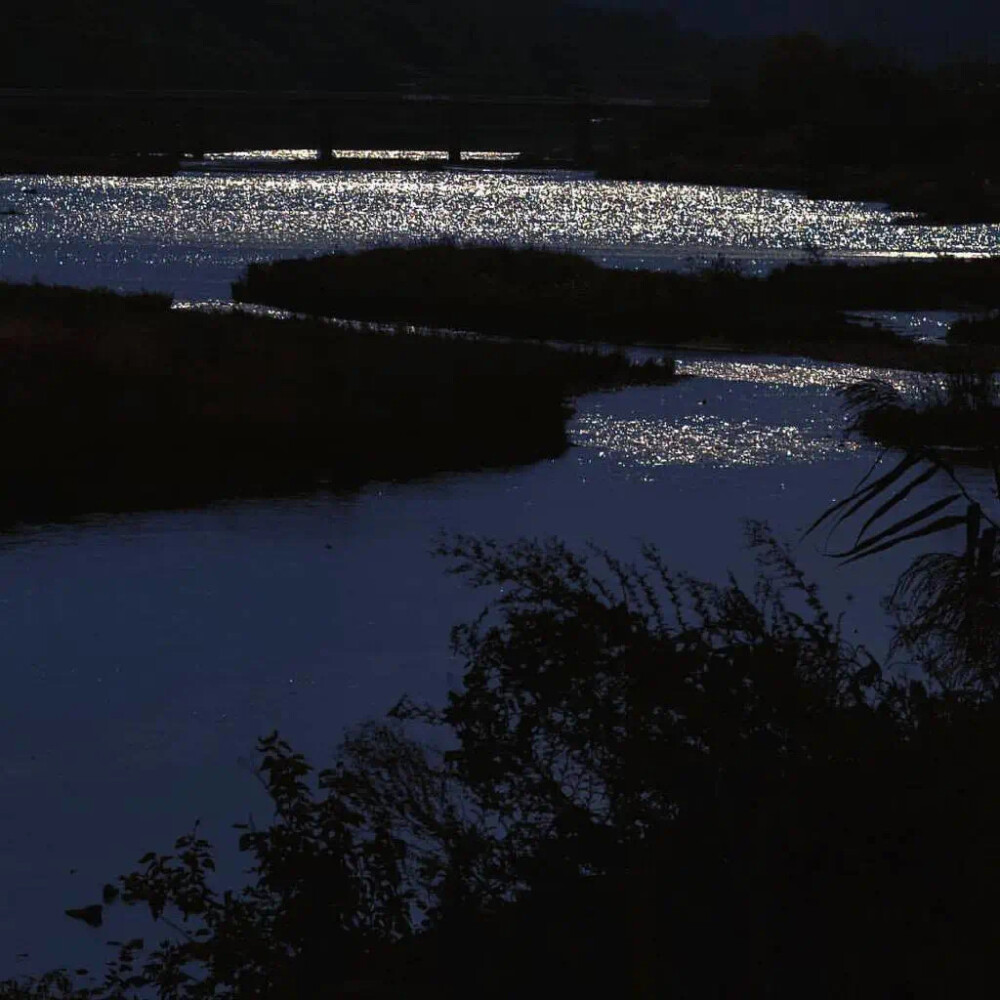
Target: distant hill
(628, 47)
(536, 46)
(928, 31)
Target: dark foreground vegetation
(960, 415)
(645, 785)
(116, 402)
(545, 294)
(653, 787)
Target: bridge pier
(456, 131)
(324, 131)
(583, 137)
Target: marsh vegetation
(543, 294)
(115, 402)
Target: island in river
(115, 402)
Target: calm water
(145, 653)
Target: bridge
(199, 121)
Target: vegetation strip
(554, 295)
(114, 402)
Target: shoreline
(917, 196)
(115, 402)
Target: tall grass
(548, 294)
(961, 414)
(545, 294)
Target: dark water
(145, 653)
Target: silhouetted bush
(653, 786)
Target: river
(144, 653)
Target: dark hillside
(352, 45)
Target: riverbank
(88, 165)
(958, 418)
(114, 402)
(387, 163)
(529, 293)
(920, 196)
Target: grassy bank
(959, 418)
(88, 165)
(546, 294)
(116, 402)
(942, 283)
(937, 197)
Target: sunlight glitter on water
(733, 412)
(305, 155)
(805, 374)
(193, 233)
(704, 440)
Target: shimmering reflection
(263, 155)
(801, 374)
(730, 412)
(193, 233)
(928, 327)
(703, 439)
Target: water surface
(145, 653)
(194, 233)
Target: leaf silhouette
(863, 495)
(941, 524)
(896, 498)
(898, 526)
(93, 915)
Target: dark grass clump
(943, 283)
(546, 294)
(553, 295)
(63, 300)
(961, 418)
(982, 331)
(106, 406)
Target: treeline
(377, 45)
(847, 121)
